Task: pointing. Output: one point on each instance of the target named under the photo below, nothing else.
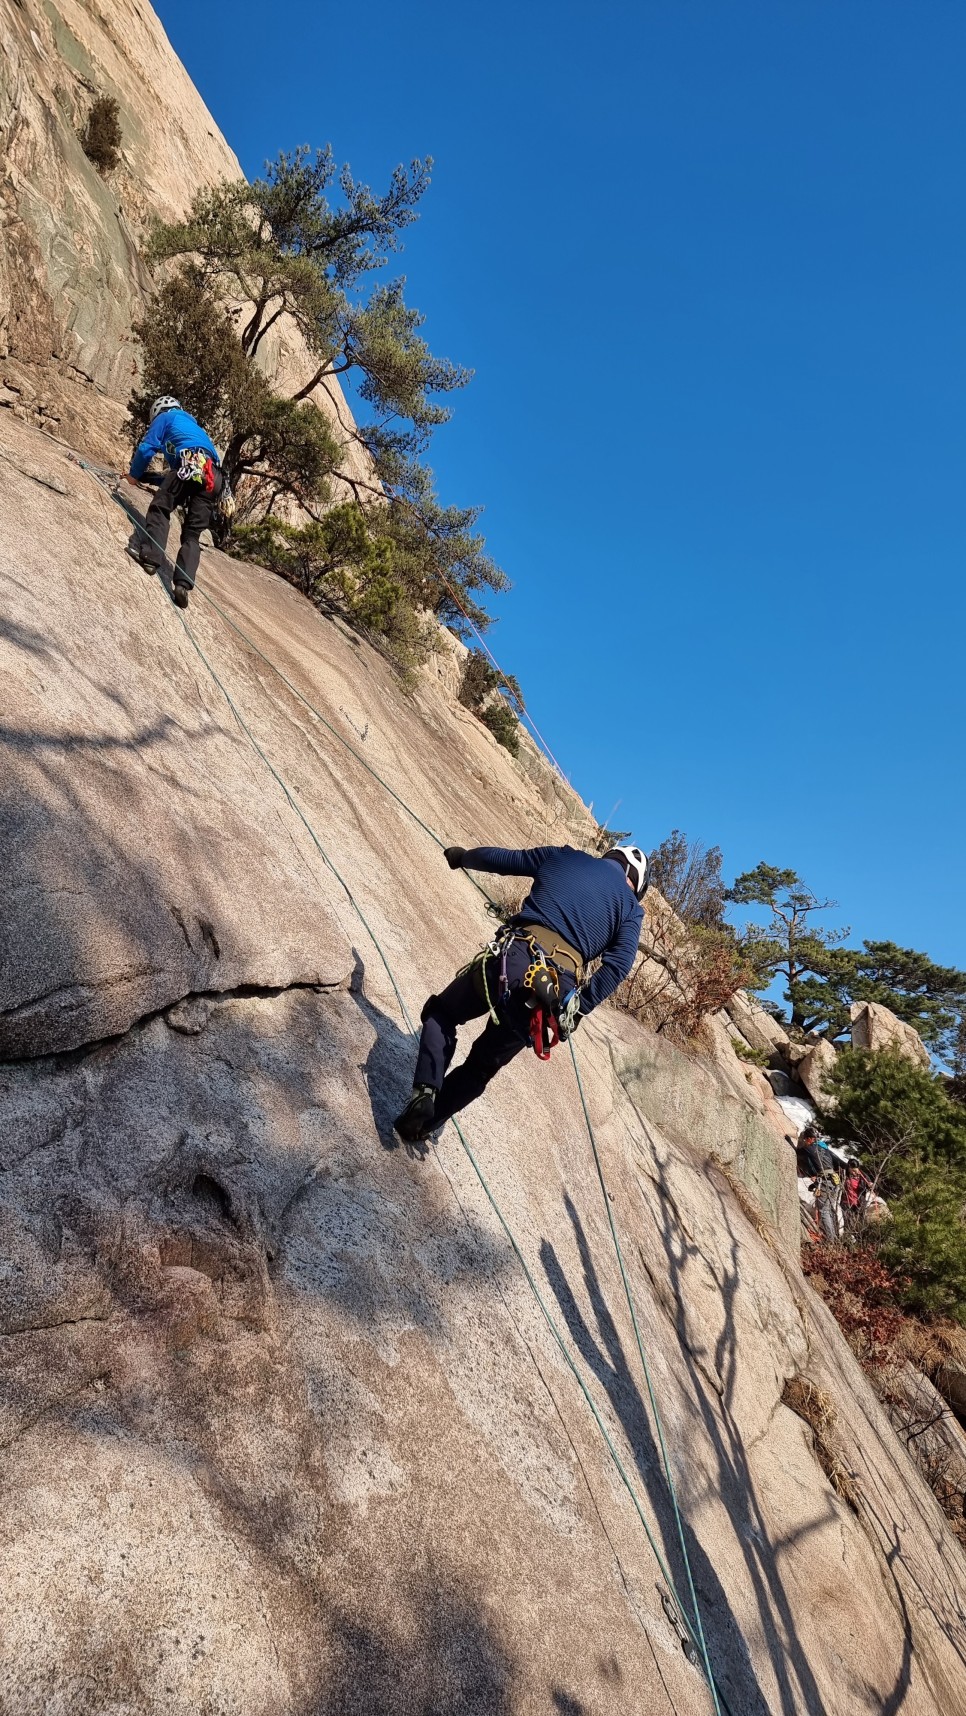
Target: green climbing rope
(672, 1488)
(693, 1632)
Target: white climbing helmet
(167, 402)
(634, 862)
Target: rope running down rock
(693, 1632)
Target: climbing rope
(665, 1458)
(693, 1632)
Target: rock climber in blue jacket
(193, 481)
(580, 908)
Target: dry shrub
(101, 137)
(686, 973)
(933, 1346)
(814, 1406)
(936, 1469)
(810, 1403)
(861, 1294)
(506, 895)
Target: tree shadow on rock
(605, 1356)
(796, 1683)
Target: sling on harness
(542, 1000)
(541, 988)
(197, 467)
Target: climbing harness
(198, 467)
(540, 988)
(691, 1632)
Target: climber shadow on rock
(604, 1353)
(388, 1071)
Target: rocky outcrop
(283, 1426)
(71, 280)
(876, 1027)
(813, 1070)
(760, 1030)
(71, 283)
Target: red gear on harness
(544, 1033)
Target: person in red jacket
(855, 1193)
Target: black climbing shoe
(181, 592)
(134, 550)
(416, 1120)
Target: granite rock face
(283, 1427)
(71, 282)
(814, 1069)
(876, 1027)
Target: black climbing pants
(199, 510)
(460, 1001)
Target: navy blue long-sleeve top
(586, 900)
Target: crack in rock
(185, 1013)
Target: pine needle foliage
(494, 698)
(913, 1141)
(303, 243)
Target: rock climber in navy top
(580, 908)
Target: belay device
(542, 1000)
(540, 987)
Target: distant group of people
(840, 1189)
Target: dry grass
(685, 973)
(810, 1403)
(933, 1346)
(745, 1201)
(816, 1409)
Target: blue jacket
(172, 433)
(586, 900)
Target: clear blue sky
(708, 260)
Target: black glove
(454, 856)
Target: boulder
(794, 1053)
(812, 1071)
(876, 1027)
(760, 1030)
